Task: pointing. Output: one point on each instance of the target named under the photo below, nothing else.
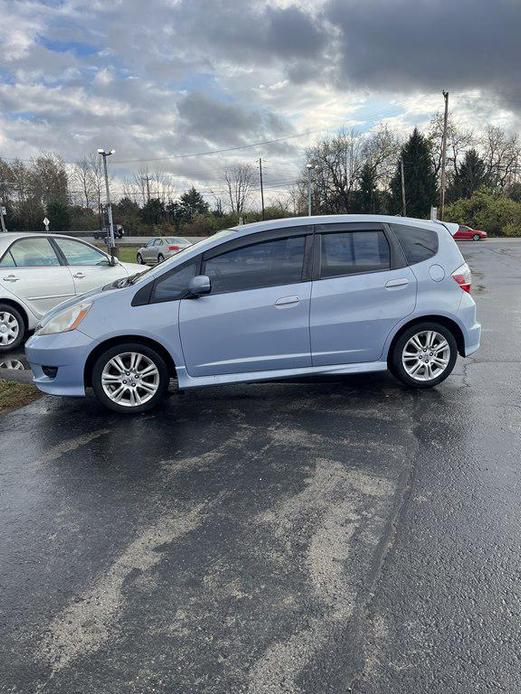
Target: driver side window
(77, 253)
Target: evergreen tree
(59, 216)
(471, 175)
(193, 203)
(367, 193)
(420, 179)
(153, 212)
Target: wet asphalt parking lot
(338, 535)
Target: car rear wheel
(476, 237)
(12, 328)
(424, 355)
(130, 378)
(139, 258)
(160, 258)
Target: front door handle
(79, 276)
(287, 301)
(400, 282)
(11, 278)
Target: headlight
(66, 320)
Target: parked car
(39, 271)
(161, 248)
(119, 232)
(293, 297)
(467, 233)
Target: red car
(468, 234)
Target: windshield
(198, 245)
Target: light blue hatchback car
(292, 297)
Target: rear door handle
(287, 301)
(79, 276)
(11, 278)
(400, 282)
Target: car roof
(8, 237)
(339, 218)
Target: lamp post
(310, 168)
(111, 243)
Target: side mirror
(199, 285)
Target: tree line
(349, 172)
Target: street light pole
(310, 168)
(112, 242)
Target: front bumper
(67, 352)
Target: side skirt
(187, 381)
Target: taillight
(463, 276)
(174, 248)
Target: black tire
(8, 310)
(396, 366)
(476, 237)
(139, 258)
(160, 258)
(150, 354)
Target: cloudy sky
(156, 79)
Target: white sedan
(161, 248)
(39, 271)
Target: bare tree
(239, 183)
(501, 153)
(86, 177)
(144, 185)
(458, 141)
(381, 149)
(337, 163)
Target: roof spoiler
(451, 227)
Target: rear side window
(263, 264)
(173, 285)
(353, 252)
(35, 252)
(417, 244)
(7, 260)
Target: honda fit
(292, 297)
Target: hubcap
(130, 379)
(426, 355)
(9, 328)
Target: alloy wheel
(9, 328)
(426, 355)
(130, 379)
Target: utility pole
(111, 241)
(2, 213)
(444, 153)
(261, 187)
(404, 204)
(310, 168)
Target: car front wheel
(12, 328)
(424, 355)
(476, 237)
(130, 378)
(160, 258)
(139, 258)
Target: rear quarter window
(417, 244)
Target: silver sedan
(160, 248)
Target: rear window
(417, 244)
(353, 252)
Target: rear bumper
(470, 327)
(67, 352)
(472, 339)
